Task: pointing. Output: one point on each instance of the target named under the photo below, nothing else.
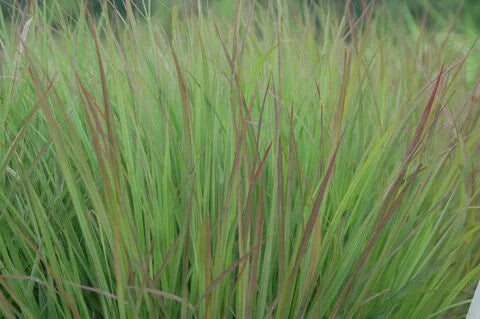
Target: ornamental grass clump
(272, 162)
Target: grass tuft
(275, 161)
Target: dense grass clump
(279, 163)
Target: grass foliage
(279, 163)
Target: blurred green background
(437, 10)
